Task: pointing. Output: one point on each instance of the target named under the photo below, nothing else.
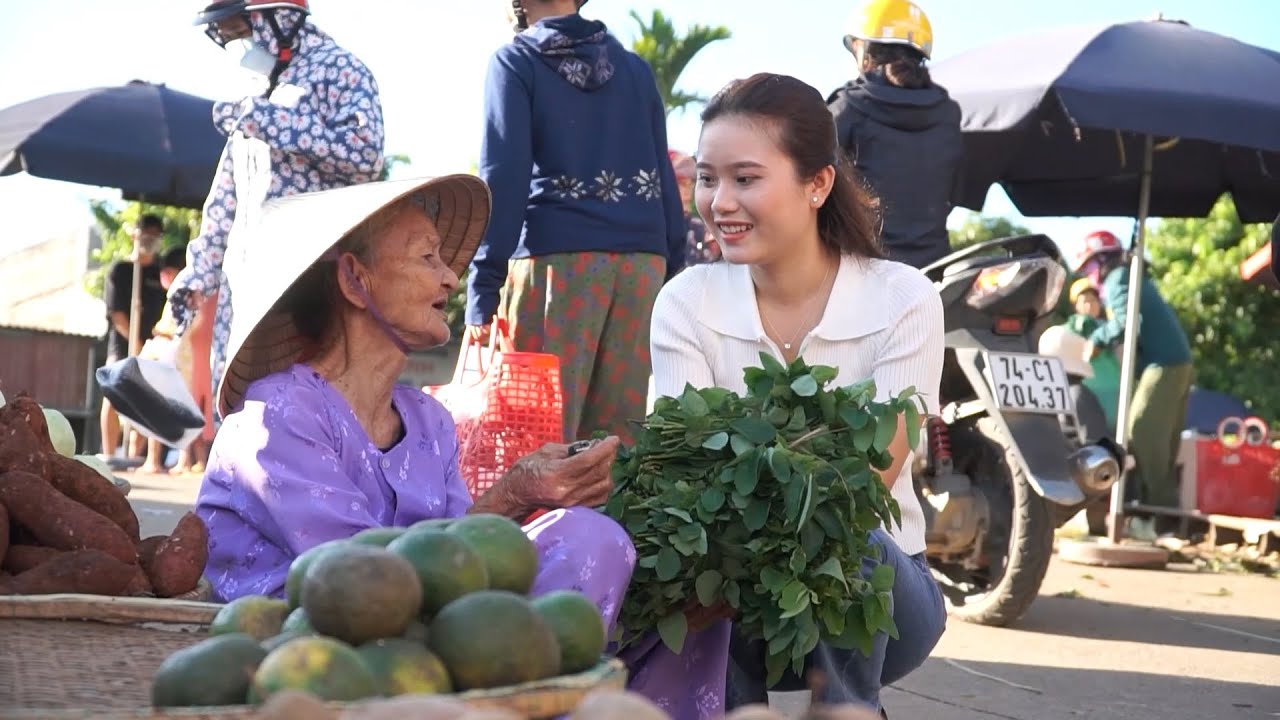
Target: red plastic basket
(1236, 477)
(506, 405)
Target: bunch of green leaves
(764, 503)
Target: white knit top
(883, 320)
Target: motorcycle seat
(973, 263)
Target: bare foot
(151, 469)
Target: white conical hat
(290, 234)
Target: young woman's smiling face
(749, 193)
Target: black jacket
(906, 145)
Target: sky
(429, 57)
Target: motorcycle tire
(1030, 531)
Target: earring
(815, 199)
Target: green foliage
(116, 224)
(391, 162)
(979, 228)
(668, 52)
(1232, 325)
(763, 503)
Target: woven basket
(86, 656)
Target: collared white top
(883, 320)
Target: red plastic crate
(1239, 481)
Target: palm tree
(668, 53)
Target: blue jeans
(852, 677)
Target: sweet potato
(22, 558)
(147, 548)
(4, 533)
(19, 535)
(19, 449)
(24, 410)
(179, 561)
(83, 571)
(59, 522)
(139, 585)
(84, 485)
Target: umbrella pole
(1129, 361)
(135, 325)
(135, 307)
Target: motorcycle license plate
(1029, 383)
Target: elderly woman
(320, 441)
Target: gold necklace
(813, 318)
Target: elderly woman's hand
(550, 478)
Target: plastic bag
(153, 397)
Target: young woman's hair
(902, 65)
(805, 130)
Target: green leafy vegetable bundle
(764, 503)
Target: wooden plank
(1246, 524)
(118, 610)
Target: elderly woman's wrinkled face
(409, 282)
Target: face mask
(149, 245)
(255, 58)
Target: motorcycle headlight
(999, 282)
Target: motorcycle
(1005, 459)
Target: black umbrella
(1060, 119)
(155, 144)
(1152, 118)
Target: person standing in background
(700, 245)
(1158, 408)
(314, 122)
(117, 295)
(900, 129)
(171, 263)
(587, 221)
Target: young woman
(805, 277)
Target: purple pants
(583, 550)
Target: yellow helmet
(1080, 287)
(898, 22)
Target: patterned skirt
(592, 310)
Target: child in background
(165, 344)
(1105, 383)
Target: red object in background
(1239, 481)
(505, 405)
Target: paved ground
(1098, 643)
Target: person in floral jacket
(317, 125)
(587, 223)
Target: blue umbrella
(155, 144)
(1143, 117)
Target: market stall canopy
(1060, 119)
(155, 144)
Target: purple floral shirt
(293, 468)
